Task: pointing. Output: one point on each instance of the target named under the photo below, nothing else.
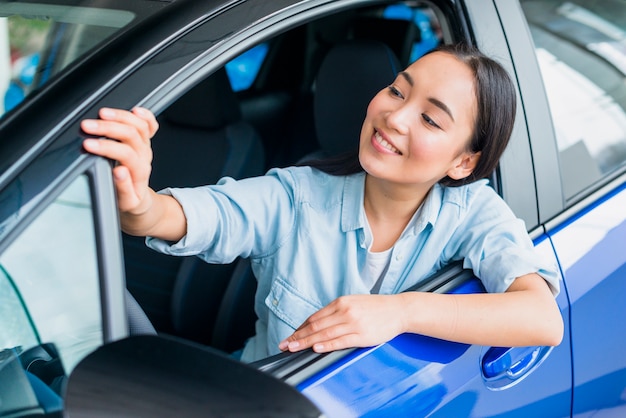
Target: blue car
(94, 323)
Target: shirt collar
(353, 215)
(429, 210)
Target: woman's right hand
(125, 138)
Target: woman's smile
(381, 144)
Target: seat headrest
(397, 34)
(350, 75)
(211, 104)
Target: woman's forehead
(442, 63)
(444, 77)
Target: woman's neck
(389, 207)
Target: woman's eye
(429, 121)
(395, 92)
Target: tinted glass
(581, 49)
(38, 41)
(50, 273)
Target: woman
(333, 247)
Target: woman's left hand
(349, 321)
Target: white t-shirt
(376, 265)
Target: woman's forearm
(526, 314)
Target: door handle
(503, 366)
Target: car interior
(303, 104)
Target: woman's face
(417, 130)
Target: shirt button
(275, 302)
(399, 257)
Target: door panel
(591, 251)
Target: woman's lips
(383, 143)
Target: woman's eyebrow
(407, 77)
(441, 105)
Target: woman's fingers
(127, 198)
(138, 164)
(325, 335)
(149, 118)
(125, 138)
(139, 118)
(333, 327)
(130, 134)
(349, 321)
(134, 128)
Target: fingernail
(318, 347)
(92, 144)
(283, 345)
(120, 174)
(294, 345)
(107, 113)
(89, 124)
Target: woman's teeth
(385, 144)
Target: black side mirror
(150, 376)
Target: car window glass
(581, 50)
(52, 270)
(16, 327)
(242, 70)
(37, 41)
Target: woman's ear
(465, 165)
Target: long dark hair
(496, 104)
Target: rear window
(37, 41)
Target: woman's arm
(525, 315)
(126, 139)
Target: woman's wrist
(141, 220)
(408, 303)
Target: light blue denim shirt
(304, 232)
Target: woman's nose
(399, 119)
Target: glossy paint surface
(592, 252)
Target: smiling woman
(352, 252)
(431, 124)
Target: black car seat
(201, 138)
(341, 98)
(400, 35)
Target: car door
(61, 278)
(581, 51)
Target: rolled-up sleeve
(496, 246)
(233, 218)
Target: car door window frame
(108, 244)
(516, 173)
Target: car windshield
(37, 41)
